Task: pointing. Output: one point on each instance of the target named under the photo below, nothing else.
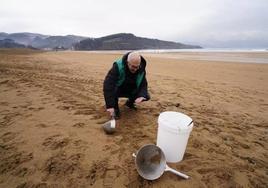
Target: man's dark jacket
(128, 88)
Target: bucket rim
(162, 122)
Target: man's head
(133, 61)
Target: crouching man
(127, 78)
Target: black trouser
(120, 94)
(131, 97)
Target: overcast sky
(210, 23)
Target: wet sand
(224, 56)
(52, 110)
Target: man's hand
(111, 111)
(139, 100)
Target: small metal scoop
(109, 127)
(151, 163)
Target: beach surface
(52, 111)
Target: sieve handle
(113, 116)
(176, 172)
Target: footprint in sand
(4, 103)
(107, 147)
(84, 112)
(66, 107)
(14, 160)
(140, 182)
(62, 165)
(4, 82)
(41, 125)
(96, 171)
(79, 125)
(8, 136)
(109, 178)
(196, 143)
(80, 144)
(56, 142)
(22, 171)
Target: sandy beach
(52, 111)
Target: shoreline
(250, 57)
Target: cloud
(234, 23)
(207, 22)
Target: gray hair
(134, 57)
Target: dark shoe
(130, 105)
(117, 113)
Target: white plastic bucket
(173, 133)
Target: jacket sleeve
(143, 90)
(109, 86)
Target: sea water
(215, 54)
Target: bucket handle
(190, 123)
